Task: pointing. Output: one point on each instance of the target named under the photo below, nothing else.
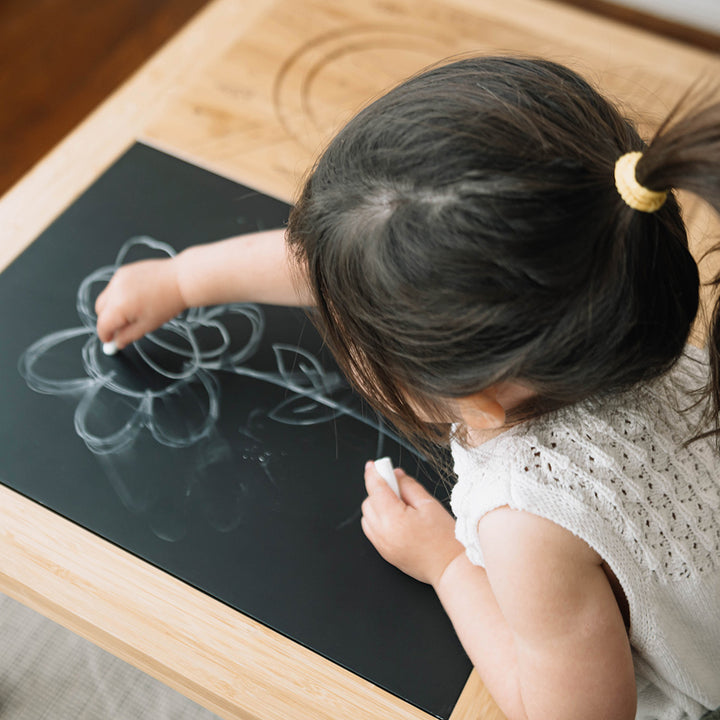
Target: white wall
(704, 14)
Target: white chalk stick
(110, 348)
(385, 467)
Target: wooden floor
(60, 58)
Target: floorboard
(61, 58)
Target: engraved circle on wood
(331, 77)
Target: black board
(228, 451)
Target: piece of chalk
(110, 348)
(385, 467)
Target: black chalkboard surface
(226, 449)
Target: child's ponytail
(685, 154)
(464, 230)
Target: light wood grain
(253, 90)
(476, 703)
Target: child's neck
(477, 437)
(509, 395)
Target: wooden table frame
(230, 664)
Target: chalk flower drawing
(198, 343)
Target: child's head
(464, 230)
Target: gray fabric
(49, 673)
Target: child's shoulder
(617, 466)
(648, 425)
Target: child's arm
(541, 626)
(249, 268)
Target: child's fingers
(368, 512)
(109, 323)
(411, 491)
(104, 298)
(128, 334)
(369, 530)
(100, 302)
(376, 484)
(365, 527)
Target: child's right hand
(138, 299)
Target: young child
(496, 258)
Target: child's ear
(482, 411)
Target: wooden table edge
(213, 654)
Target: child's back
(617, 472)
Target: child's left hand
(415, 533)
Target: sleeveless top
(615, 472)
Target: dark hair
(465, 229)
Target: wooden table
(253, 89)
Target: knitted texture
(617, 473)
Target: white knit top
(615, 473)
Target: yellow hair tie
(631, 191)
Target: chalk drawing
(164, 391)
(189, 382)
